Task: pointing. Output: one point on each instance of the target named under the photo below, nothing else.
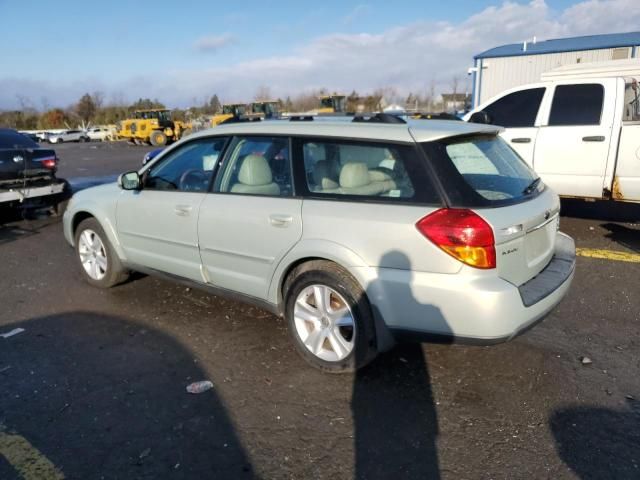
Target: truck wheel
(329, 317)
(158, 138)
(99, 263)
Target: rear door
(252, 218)
(572, 149)
(518, 112)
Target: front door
(252, 219)
(572, 148)
(158, 225)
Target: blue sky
(181, 51)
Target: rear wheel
(158, 138)
(99, 262)
(329, 317)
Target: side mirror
(481, 117)
(130, 181)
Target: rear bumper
(471, 307)
(21, 194)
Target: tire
(114, 273)
(158, 138)
(357, 329)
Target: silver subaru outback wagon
(357, 233)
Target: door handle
(595, 138)
(182, 210)
(520, 140)
(280, 220)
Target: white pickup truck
(579, 128)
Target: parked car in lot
(151, 155)
(100, 134)
(28, 173)
(357, 233)
(579, 128)
(69, 136)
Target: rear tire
(99, 263)
(158, 138)
(336, 334)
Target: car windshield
(485, 169)
(12, 139)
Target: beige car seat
(355, 179)
(323, 177)
(255, 177)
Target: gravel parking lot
(94, 387)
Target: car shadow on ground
(625, 236)
(599, 442)
(14, 225)
(394, 413)
(600, 210)
(103, 397)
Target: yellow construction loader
(332, 103)
(266, 109)
(229, 110)
(154, 127)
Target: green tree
(214, 105)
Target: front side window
(482, 171)
(517, 109)
(339, 168)
(189, 168)
(577, 105)
(257, 166)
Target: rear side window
(517, 109)
(346, 169)
(577, 105)
(482, 171)
(12, 139)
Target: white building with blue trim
(508, 66)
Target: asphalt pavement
(94, 387)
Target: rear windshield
(12, 139)
(482, 171)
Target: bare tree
(263, 93)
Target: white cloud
(213, 43)
(407, 57)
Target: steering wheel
(193, 180)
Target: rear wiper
(531, 187)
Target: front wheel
(99, 262)
(158, 138)
(329, 318)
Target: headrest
(322, 175)
(255, 171)
(354, 175)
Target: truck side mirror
(481, 117)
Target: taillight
(462, 234)
(48, 162)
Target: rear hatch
(22, 159)
(482, 173)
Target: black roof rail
(379, 118)
(301, 118)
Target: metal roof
(591, 42)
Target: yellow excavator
(154, 126)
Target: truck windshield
(482, 171)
